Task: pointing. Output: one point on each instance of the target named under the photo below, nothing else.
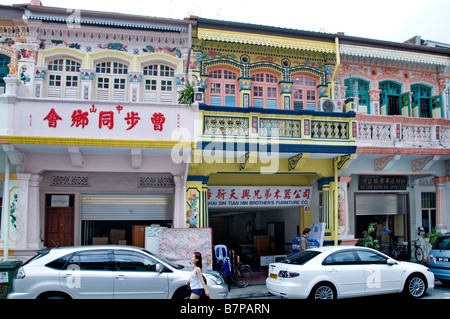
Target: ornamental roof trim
(50, 14)
(264, 39)
(397, 54)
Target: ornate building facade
(287, 128)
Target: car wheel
(446, 283)
(415, 286)
(323, 291)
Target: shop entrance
(259, 236)
(122, 218)
(389, 215)
(59, 221)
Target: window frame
(266, 85)
(155, 79)
(328, 262)
(115, 74)
(305, 85)
(368, 262)
(105, 252)
(223, 79)
(362, 93)
(118, 252)
(387, 92)
(62, 73)
(420, 93)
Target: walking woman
(195, 281)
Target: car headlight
(216, 279)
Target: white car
(105, 272)
(345, 271)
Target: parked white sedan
(346, 271)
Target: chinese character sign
(80, 118)
(102, 120)
(259, 196)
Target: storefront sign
(382, 182)
(60, 201)
(251, 196)
(102, 120)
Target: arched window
(421, 99)
(158, 83)
(265, 90)
(223, 87)
(4, 71)
(111, 81)
(63, 78)
(359, 89)
(304, 92)
(390, 97)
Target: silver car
(106, 272)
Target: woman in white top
(195, 280)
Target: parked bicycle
(417, 249)
(233, 272)
(401, 251)
(241, 276)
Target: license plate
(274, 276)
(444, 259)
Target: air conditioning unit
(326, 105)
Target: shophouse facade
(269, 150)
(398, 178)
(88, 122)
(287, 128)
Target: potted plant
(367, 239)
(187, 94)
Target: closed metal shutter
(126, 207)
(379, 204)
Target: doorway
(59, 220)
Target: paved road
(439, 293)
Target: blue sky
(391, 20)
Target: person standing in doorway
(304, 243)
(195, 281)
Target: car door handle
(121, 277)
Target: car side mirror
(159, 268)
(391, 262)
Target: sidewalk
(256, 289)
(251, 291)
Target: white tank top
(194, 281)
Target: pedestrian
(304, 242)
(195, 281)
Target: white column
(27, 216)
(23, 184)
(34, 238)
(179, 212)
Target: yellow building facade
(264, 128)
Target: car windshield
(301, 258)
(442, 243)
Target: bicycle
(241, 275)
(401, 251)
(418, 251)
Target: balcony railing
(399, 131)
(294, 131)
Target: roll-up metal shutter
(126, 207)
(378, 204)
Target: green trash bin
(8, 270)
